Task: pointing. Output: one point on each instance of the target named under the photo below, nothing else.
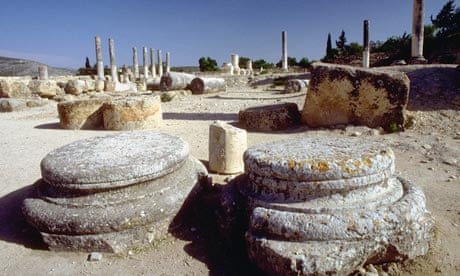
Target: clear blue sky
(61, 32)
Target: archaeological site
(344, 166)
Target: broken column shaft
(135, 64)
(152, 63)
(113, 62)
(284, 58)
(99, 63)
(366, 51)
(144, 62)
(417, 31)
(160, 64)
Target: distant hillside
(24, 67)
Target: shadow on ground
(49, 126)
(13, 226)
(200, 116)
(197, 223)
(434, 88)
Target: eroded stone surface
(328, 205)
(81, 114)
(113, 161)
(269, 117)
(113, 193)
(226, 148)
(132, 113)
(317, 159)
(341, 94)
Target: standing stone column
(160, 64)
(366, 50)
(99, 63)
(113, 62)
(135, 64)
(145, 63)
(42, 72)
(236, 63)
(168, 62)
(249, 67)
(417, 31)
(284, 51)
(152, 63)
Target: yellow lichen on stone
(321, 166)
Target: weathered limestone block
(81, 114)
(207, 85)
(132, 113)
(112, 193)
(75, 87)
(120, 87)
(270, 117)
(12, 105)
(44, 88)
(226, 148)
(347, 95)
(334, 197)
(14, 88)
(295, 85)
(175, 81)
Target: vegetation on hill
(207, 64)
(441, 43)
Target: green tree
(447, 20)
(341, 43)
(304, 63)
(87, 63)
(207, 64)
(243, 62)
(329, 46)
(354, 48)
(257, 64)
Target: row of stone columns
(113, 64)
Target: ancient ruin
(226, 148)
(366, 48)
(417, 32)
(112, 193)
(328, 206)
(348, 95)
(284, 55)
(269, 117)
(204, 85)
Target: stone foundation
(328, 206)
(112, 193)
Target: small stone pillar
(284, 61)
(152, 63)
(99, 63)
(160, 64)
(227, 145)
(144, 63)
(42, 72)
(113, 62)
(366, 50)
(249, 67)
(125, 74)
(135, 64)
(417, 32)
(168, 62)
(236, 63)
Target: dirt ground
(428, 154)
